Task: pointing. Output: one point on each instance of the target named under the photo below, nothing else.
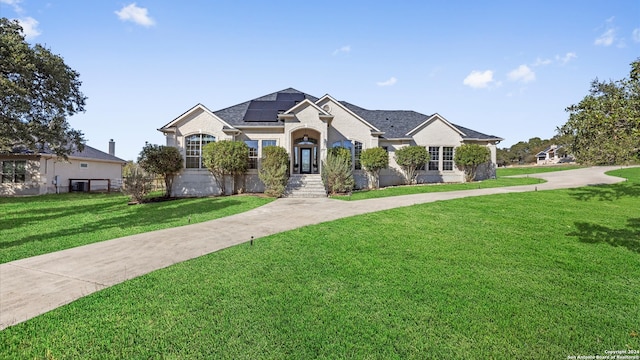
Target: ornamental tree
(410, 159)
(165, 161)
(38, 91)
(469, 157)
(274, 170)
(137, 183)
(373, 160)
(226, 158)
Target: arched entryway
(305, 152)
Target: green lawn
(429, 188)
(539, 275)
(523, 170)
(37, 225)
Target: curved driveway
(33, 286)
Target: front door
(305, 161)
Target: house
(29, 173)
(307, 126)
(549, 155)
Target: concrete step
(305, 186)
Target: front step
(305, 186)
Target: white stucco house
(30, 173)
(307, 126)
(550, 156)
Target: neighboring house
(29, 173)
(307, 126)
(549, 155)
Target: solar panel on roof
(289, 97)
(261, 116)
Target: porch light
(305, 137)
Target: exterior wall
(74, 169)
(440, 134)
(42, 172)
(195, 182)
(32, 183)
(345, 126)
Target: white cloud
(523, 74)
(136, 15)
(14, 4)
(566, 58)
(636, 35)
(29, 27)
(540, 61)
(392, 80)
(606, 39)
(479, 79)
(344, 49)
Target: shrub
(226, 158)
(373, 160)
(137, 183)
(469, 157)
(274, 170)
(341, 152)
(165, 161)
(410, 159)
(336, 174)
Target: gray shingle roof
(235, 114)
(394, 123)
(88, 153)
(95, 154)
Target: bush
(373, 160)
(341, 152)
(226, 158)
(469, 157)
(336, 173)
(274, 170)
(137, 183)
(165, 161)
(410, 159)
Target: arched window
(193, 149)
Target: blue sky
(506, 68)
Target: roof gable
(341, 104)
(186, 114)
(432, 118)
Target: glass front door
(305, 160)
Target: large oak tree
(605, 126)
(38, 91)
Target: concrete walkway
(33, 286)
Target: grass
(429, 188)
(539, 275)
(524, 170)
(42, 224)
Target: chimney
(112, 148)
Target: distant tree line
(524, 152)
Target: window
(253, 153)
(434, 157)
(342, 143)
(447, 158)
(14, 171)
(193, 149)
(266, 143)
(84, 165)
(357, 149)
